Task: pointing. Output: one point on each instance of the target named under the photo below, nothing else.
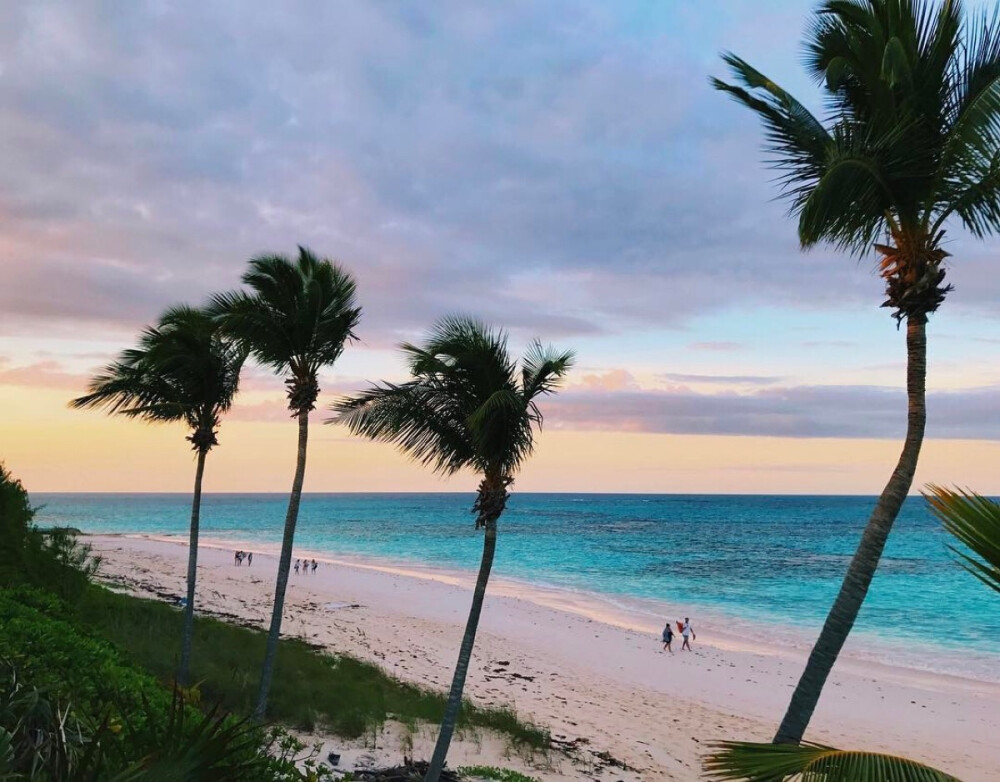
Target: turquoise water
(774, 561)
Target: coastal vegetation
(310, 691)
(913, 94)
(295, 320)
(76, 708)
(184, 370)
(468, 406)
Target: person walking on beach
(688, 634)
(314, 566)
(249, 558)
(668, 637)
(236, 557)
(297, 562)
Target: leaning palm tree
(185, 370)
(913, 140)
(295, 319)
(468, 405)
(974, 521)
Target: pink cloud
(43, 374)
(615, 380)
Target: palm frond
(467, 404)
(754, 762)
(974, 521)
(183, 369)
(913, 135)
(295, 319)
(416, 417)
(542, 368)
(856, 177)
(797, 142)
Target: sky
(560, 169)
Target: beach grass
(311, 690)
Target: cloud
(759, 380)
(799, 411)
(561, 178)
(42, 374)
(614, 380)
(614, 401)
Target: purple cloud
(801, 411)
(494, 159)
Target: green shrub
(57, 656)
(141, 727)
(29, 556)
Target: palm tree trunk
(187, 635)
(464, 654)
(862, 568)
(284, 565)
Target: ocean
(766, 566)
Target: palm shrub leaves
(468, 405)
(813, 763)
(295, 319)
(974, 521)
(912, 140)
(183, 369)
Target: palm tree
(974, 521)
(467, 405)
(295, 319)
(913, 139)
(183, 369)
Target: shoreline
(892, 657)
(584, 671)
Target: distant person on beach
(249, 558)
(236, 557)
(296, 567)
(668, 637)
(688, 634)
(314, 566)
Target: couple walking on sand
(686, 631)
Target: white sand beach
(593, 673)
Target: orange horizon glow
(54, 449)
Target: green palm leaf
(183, 369)
(295, 319)
(737, 760)
(975, 521)
(468, 405)
(913, 91)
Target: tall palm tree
(974, 521)
(913, 140)
(295, 319)
(467, 406)
(185, 370)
